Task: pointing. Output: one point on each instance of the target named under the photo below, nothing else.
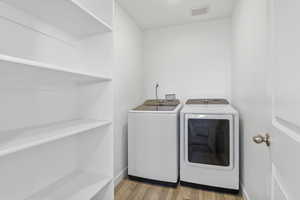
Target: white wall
(190, 60)
(249, 93)
(128, 77)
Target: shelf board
(78, 185)
(17, 140)
(24, 70)
(68, 15)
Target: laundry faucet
(156, 91)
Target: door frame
(278, 189)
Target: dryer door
(209, 140)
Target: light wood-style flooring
(131, 190)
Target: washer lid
(155, 108)
(209, 109)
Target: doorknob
(258, 139)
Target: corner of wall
(245, 195)
(122, 175)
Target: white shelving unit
(78, 185)
(21, 139)
(68, 15)
(56, 141)
(25, 70)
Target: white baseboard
(120, 176)
(244, 193)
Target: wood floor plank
(138, 193)
(171, 194)
(195, 194)
(201, 195)
(147, 195)
(156, 193)
(119, 186)
(131, 190)
(179, 194)
(126, 190)
(153, 193)
(229, 197)
(186, 193)
(220, 196)
(142, 193)
(210, 195)
(175, 193)
(164, 193)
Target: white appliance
(209, 145)
(153, 144)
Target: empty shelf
(20, 139)
(28, 71)
(78, 185)
(68, 15)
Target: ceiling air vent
(199, 11)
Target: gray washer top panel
(207, 101)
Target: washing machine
(153, 142)
(209, 145)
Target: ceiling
(158, 13)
